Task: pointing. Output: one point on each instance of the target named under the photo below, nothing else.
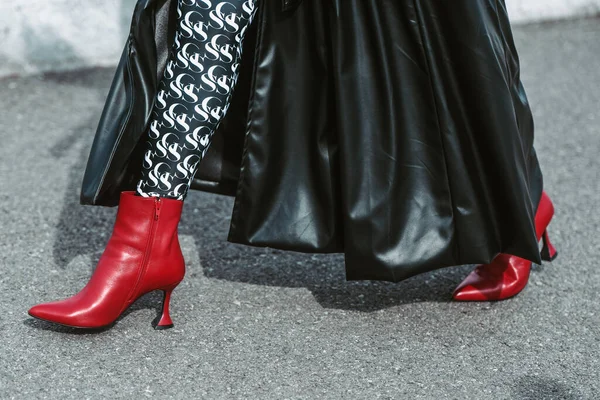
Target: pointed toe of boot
(477, 287)
(59, 313)
(47, 312)
(468, 292)
(487, 292)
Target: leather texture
(288, 5)
(507, 275)
(396, 132)
(142, 255)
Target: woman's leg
(195, 92)
(143, 253)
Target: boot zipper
(157, 204)
(149, 245)
(153, 227)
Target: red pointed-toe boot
(507, 275)
(142, 255)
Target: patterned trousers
(194, 93)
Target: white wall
(522, 11)
(44, 35)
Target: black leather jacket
(397, 132)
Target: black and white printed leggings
(194, 93)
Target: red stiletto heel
(142, 255)
(549, 252)
(165, 322)
(508, 275)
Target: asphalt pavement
(253, 323)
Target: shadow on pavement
(536, 387)
(80, 230)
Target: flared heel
(548, 252)
(164, 321)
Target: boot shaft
(148, 227)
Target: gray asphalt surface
(255, 323)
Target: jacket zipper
(128, 87)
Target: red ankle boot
(507, 275)
(142, 255)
